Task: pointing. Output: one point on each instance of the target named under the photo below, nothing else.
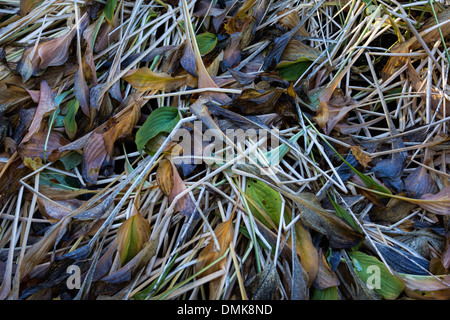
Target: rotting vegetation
(357, 187)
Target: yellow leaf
(144, 79)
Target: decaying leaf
(209, 254)
(133, 233)
(361, 156)
(339, 233)
(144, 79)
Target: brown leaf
(56, 210)
(94, 153)
(438, 203)
(224, 234)
(322, 115)
(50, 53)
(362, 157)
(164, 176)
(309, 257)
(326, 278)
(45, 107)
(26, 6)
(122, 125)
(296, 49)
(290, 20)
(339, 233)
(413, 43)
(394, 211)
(35, 146)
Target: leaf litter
(108, 162)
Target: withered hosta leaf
(94, 153)
(126, 272)
(339, 233)
(58, 209)
(121, 126)
(50, 53)
(363, 158)
(42, 145)
(438, 203)
(326, 278)
(82, 91)
(45, 107)
(132, 234)
(224, 234)
(27, 5)
(164, 176)
(428, 287)
(414, 44)
(420, 182)
(184, 205)
(144, 79)
(309, 256)
(265, 284)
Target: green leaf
(341, 212)
(264, 202)
(330, 293)
(374, 273)
(206, 42)
(109, 9)
(69, 120)
(291, 71)
(163, 119)
(71, 160)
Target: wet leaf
(132, 234)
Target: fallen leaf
(389, 286)
(438, 203)
(361, 156)
(224, 234)
(132, 234)
(45, 107)
(144, 79)
(164, 176)
(340, 234)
